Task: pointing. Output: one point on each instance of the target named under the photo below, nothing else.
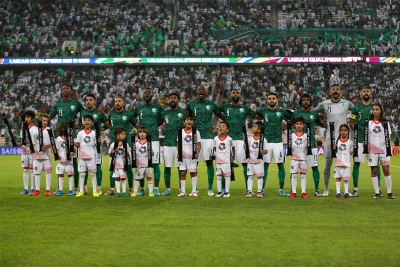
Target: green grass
(168, 231)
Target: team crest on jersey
(254, 145)
(180, 115)
(221, 146)
(87, 139)
(154, 110)
(95, 116)
(188, 138)
(342, 103)
(377, 129)
(124, 118)
(342, 147)
(208, 107)
(298, 141)
(72, 107)
(278, 114)
(142, 149)
(311, 117)
(241, 110)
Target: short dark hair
(299, 119)
(335, 85)
(30, 113)
(91, 95)
(305, 95)
(175, 93)
(142, 129)
(272, 93)
(70, 85)
(88, 116)
(260, 125)
(224, 122)
(365, 87)
(61, 127)
(188, 116)
(118, 131)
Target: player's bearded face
(306, 102)
(148, 95)
(90, 102)
(272, 101)
(173, 101)
(118, 103)
(335, 92)
(365, 94)
(235, 96)
(66, 91)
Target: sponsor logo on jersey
(188, 138)
(72, 107)
(342, 147)
(119, 151)
(298, 141)
(124, 118)
(254, 145)
(377, 129)
(154, 110)
(86, 139)
(221, 146)
(142, 149)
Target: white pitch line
(395, 166)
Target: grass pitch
(168, 231)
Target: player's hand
(112, 151)
(152, 153)
(263, 152)
(311, 109)
(99, 140)
(100, 111)
(196, 156)
(212, 129)
(72, 154)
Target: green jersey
(149, 117)
(102, 118)
(202, 113)
(359, 113)
(273, 123)
(123, 119)
(236, 116)
(172, 119)
(311, 116)
(66, 111)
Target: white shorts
(27, 161)
(274, 150)
(188, 164)
(207, 147)
(342, 172)
(375, 159)
(312, 160)
(42, 165)
(223, 170)
(119, 173)
(361, 156)
(240, 153)
(255, 169)
(298, 166)
(142, 172)
(156, 159)
(67, 168)
(87, 164)
(170, 156)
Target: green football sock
(223, 183)
(112, 180)
(129, 175)
(141, 182)
(210, 174)
(356, 173)
(379, 176)
(157, 174)
(246, 177)
(86, 176)
(265, 175)
(315, 175)
(99, 175)
(167, 177)
(281, 175)
(76, 174)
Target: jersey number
(329, 109)
(60, 112)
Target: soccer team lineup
(135, 155)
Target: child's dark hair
(224, 122)
(30, 113)
(348, 130)
(299, 119)
(188, 116)
(61, 127)
(260, 125)
(142, 129)
(88, 116)
(118, 131)
(381, 118)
